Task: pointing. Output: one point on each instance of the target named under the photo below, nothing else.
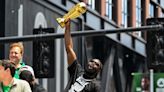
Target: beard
(90, 73)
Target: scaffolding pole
(79, 33)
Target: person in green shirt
(7, 81)
(16, 56)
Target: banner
(141, 82)
(159, 82)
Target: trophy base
(61, 22)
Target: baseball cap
(27, 68)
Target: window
(124, 13)
(138, 13)
(63, 2)
(91, 4)
(138, 16)
(109, 9)
(162, 13)
(157, 1)
(151, 10)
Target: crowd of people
(15, 75)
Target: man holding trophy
(81, 80)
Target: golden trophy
(74, 12)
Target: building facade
(121, 54)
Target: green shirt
(6, 88)
(17, 86)
(17, 71)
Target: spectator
(7, 81)
(16, 56)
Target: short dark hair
(26, 75)
(7, 64)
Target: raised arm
(71, 56)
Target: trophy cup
(74, 12)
